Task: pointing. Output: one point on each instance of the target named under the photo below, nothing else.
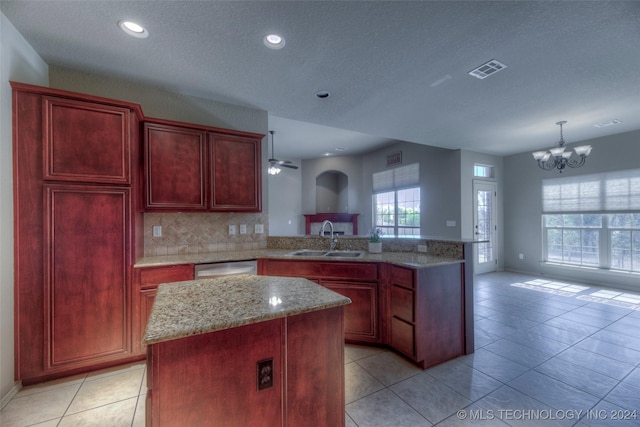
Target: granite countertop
(197, 307)
(406, 259)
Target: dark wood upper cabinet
(197, 168)
(175, 167)
(86, 141)
(235, 173)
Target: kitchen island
(245, 350)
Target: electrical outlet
(422, 248)
(243, 228)
(451, 223)
(265, 374)
(232, 229)
(521, 256)
(259, 228)
(157, 231)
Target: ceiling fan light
(273, 170)
(583, 150)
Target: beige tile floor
(544, 349)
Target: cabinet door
(175, 168)
(86, 275)
(236, 176)
(361, 316)
(148, 280)
(86, 142)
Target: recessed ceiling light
(609, 123)
(133, 29)
(322, 94)
(273, 41)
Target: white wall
(18, 62)
(523, 207)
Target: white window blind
(617, 191)
(403, 176)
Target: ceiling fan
(274, 164)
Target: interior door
(484, 221)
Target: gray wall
(332, 192)
(523, 208)
(285, 202)
(439, 182)
(18, 62)
(351, 166)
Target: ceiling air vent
(485, 70)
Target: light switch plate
(243, 228)
(259, 228)
(451, 223)
(157, 231)
(232, 229)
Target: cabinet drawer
(152, 277)
(402, 336)
(361, 271)
(402, 303)
(401, 276)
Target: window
(593, 220)
(482, 171)
(396, 201)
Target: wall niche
(332, 192)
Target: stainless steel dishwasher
(204, 271)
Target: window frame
(604, 195)
(396, 227)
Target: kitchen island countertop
(195, 307)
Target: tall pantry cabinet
(76, 206)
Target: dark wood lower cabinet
(355, 280)
(212, 379)
(419, 312)
(427, 312)
(146, 281)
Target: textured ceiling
(396, 70)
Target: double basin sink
(328, 254)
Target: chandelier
(558, 158)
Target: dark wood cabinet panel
(175, 167)
(360, 271)
(402, 303)
(356, 280)
(86, 142)
(315, 369)
(361, 316)
(402, 336)
(192, 168)
(307, 353)
(146, 286)
(86, 275)
(76, 175)
(212, 378)
(236, 178)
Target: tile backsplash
(193, 233)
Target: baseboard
(7, 397)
